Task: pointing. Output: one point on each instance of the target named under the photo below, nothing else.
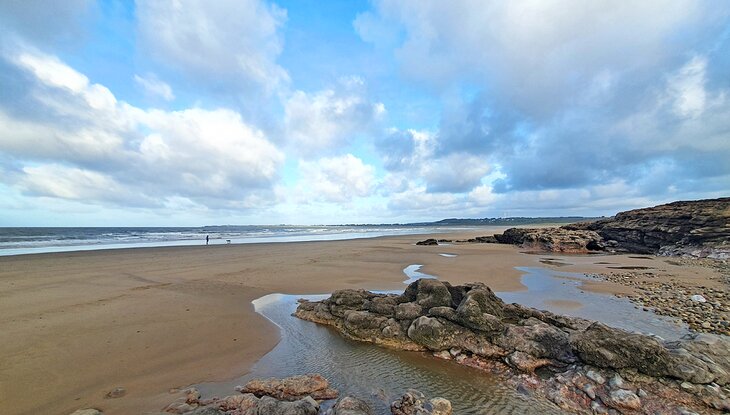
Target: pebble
(707, 312)
(116, 393)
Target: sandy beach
(76, 325)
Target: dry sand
(74, 326)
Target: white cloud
(337, 179)
(532, 51)
(455, 173)
(53, 180)
(155, 87)
(326, 120)
(117, 153)
(228, 45)
(687, 87)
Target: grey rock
(270, 406)
(348, 405)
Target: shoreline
(152, 319)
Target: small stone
(116, 393)
(698, 298)
(90, 411)
(443, 354)
(625, 399)
(589, 390)
(616, 381)
(596, 377)
(642, 393)
(706, 325)
(687, 386)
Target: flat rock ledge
(581, 366)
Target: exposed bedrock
(564, 359)
(698, 228)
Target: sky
(191, 112)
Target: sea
(18, 241)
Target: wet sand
(76, 325)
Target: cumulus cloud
(227, 45)
(153, 86)
(338, 179)
(410, 157)
(79, 133)
(564, 96)
(325, 120)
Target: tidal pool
(562, 293)
(372, 373)
(379, 375)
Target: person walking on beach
(207, 238)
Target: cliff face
(698, 228)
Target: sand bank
(76, 325)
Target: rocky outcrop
(292, 388)
(429, 241)
(695, 228)
(284, 397)
(560, 358)
(553, 239)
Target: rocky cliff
(698, 228)
(562, 359)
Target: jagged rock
(553, 239)
(270, 406)
(429, 241)
(673, 228)
(291, 388)
(414, 402)
(90, 411)
(348, 405)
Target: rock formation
(563, 359)
(296, 395)
(696, 228)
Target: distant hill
(510, 221)
(561, 220)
